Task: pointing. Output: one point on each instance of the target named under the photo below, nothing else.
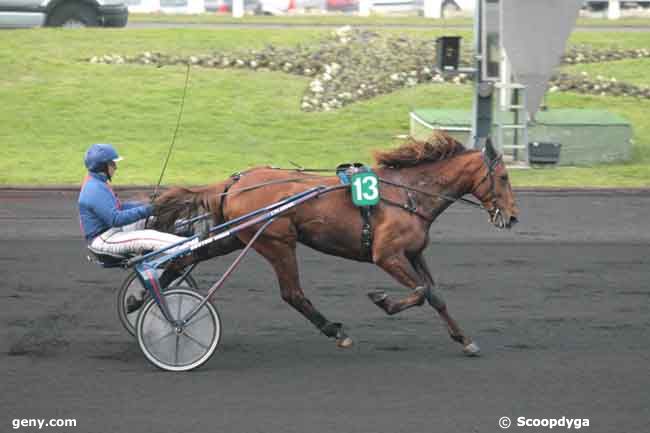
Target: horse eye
(504, 177)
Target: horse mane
(436, 147)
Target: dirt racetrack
(560, 306)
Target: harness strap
(409, 207)
(366, 233)
(259, 185)
(234, 178)
(428, 194)
(387, 182)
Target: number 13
(366, 188)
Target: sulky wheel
(179, 348)
(132, 289)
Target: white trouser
(134, 239)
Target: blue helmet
(98, 155)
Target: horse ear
(490, 151)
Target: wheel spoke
(180, 303)
(134, 285)
(159, 339)
(193, 339)
(177, 283)
(195, 320)
(176, 351)
(155, 314)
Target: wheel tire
(150, 327)
(597, 6)
(131, 282)
(71, 14)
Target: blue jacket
(100, 209)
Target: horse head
(492, 187)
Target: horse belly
(330, 234)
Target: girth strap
(234, 178)
(366, 233)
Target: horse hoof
(472, 349)
(377, 296)
(344, 343)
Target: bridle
(494, 211)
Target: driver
(110, 226)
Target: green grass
(634, 71)
(335, 19)
(54, 105)
(603, 39)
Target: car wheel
(73, 15)
(598, 6)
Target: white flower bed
(352, 65)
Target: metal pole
(516, 96)
(226, 274)
(482, 119)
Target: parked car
(601, 5)
(266, 7)
(69, 13)
(390, 6)
(250, 6)
(342, 5)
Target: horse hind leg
(399, 268)
(470, 348)
(283, 259)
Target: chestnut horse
(419, 180)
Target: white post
(195, 6)
(505, 81)
(237, 8)
(433, 9)
(614, 10)
(364, 8)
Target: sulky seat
(107, 260)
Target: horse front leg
(399, 267)
(283, 259)
(435, 300)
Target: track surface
(559, 305)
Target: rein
(248, 188)
(434, 195)
(395, 184)
(410, 207)
(178, 124)
(259, 185)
